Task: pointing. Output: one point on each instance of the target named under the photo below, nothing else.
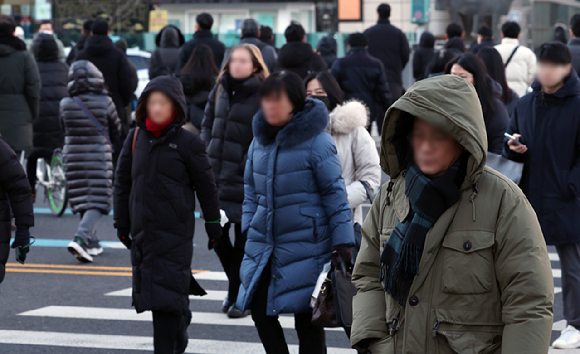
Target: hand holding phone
(513, 138)
(514, 144)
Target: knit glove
(214, 233)
(123, 236)
(21, 243)
(340, 253)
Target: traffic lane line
(140, 343)
(68, 211)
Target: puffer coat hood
(427, 40)
(347, 117)
(171, 86)
(169, 37)
(84, 78)
(45, 48)
(295, 248)
(484, 283)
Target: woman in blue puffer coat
(295, 212)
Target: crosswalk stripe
(212, 295)
(553, 256)
(218, 276)
(118, 342)
(557, 273)
(99, 313)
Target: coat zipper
(472, 199)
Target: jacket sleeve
(417, 61)
(202, 179)
(498, 128)
(114, 123)
(511, 129)
(15, 183)
(250, 204)
(153, 64)
(72, 55)
(368, 305)
(367, 169)
(404, 49)
(123, 184)
(574, 176)
(209, 114)
(524, 276)
(382, 85)
(127, 82)
(328, 176)
(32, 86)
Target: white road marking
(213, 295)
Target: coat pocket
(382, 346)
(461, 339)
(312, 213)
(468, 262)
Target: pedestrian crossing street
(109, 316)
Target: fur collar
(347, 117)
(305, 125)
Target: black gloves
(123, 236)
(21, 243)
(341, 253)
(214, 232)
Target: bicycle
(51, 176)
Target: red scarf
(157, 129)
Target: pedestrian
(560, 33)
(495, 117)
(357, 151)
(123, 45)
(267, 36)
(484, 39)
(423, 55)
(198, 77)
(202, 35)
(298, 56)
(48, 131)
(454, 34)
(117, 72)
(548, 132)
(452, 257)
(92, 128)
(574, 42)
(165, 59)
(20, 87)
(496, 70)
(437, 65)
(15, 201)
(327, 48)
(227, 132)
(519, 61)
(46, 27)
(292, 228)
(362, 77)
(80, 44)
(162, 169)
(250, 29)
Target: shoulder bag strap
(511, 56)
(368, 190)
(92, 118)
(134, 141)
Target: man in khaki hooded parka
(483, 281)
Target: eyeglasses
(19, 250)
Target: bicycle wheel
(57, 191)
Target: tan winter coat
(358, 154)
(485, 283)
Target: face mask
(324, 100)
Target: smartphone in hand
(511, 137)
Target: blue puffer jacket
(295, 209)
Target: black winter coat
(299, 58)
(201, 37)
(550, 128)
(574, 45)
(165, 59)
(195, 99)
(496, 122)
(155, 202)
(48, 130)
(363, 77)
(14, 186)
(389, 44)
(20, 88)
(114, 64)
(88, 156)
(227, 132)
(488, 43)
(423, 55)
(327, 48)
(72, 55)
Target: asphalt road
(54, 304)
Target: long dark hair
(329, 84)
(201, 67)
(496, 70)
(482, 81)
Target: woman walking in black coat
(423, 55)
(165, 58)
(48, 132)
(496, 70)
(159, 168)
(227, 132)
(472, 69)
(92, 128)
(198, 78)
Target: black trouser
(31, 165)
(312, 338)
(231, 258)
(168, 330)
(570, 263)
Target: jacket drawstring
(472, 199)
(389, 190)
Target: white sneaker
(95, 251)
(78, 248)
(569, 339)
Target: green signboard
(420, 11)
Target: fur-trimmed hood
(306, 124)
(347, 117)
